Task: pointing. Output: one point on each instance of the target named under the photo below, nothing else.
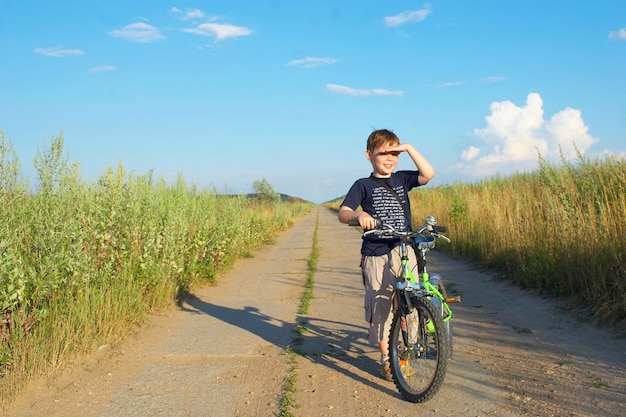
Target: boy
(380, 263)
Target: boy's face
(384, 163)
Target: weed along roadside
(222, 353)
(82, 263)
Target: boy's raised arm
(426, 170)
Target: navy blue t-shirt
(376, 200)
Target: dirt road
(223, 352)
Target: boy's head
(381, 137)
(383, 162)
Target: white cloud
(568, 132)
(493, 79)
(104, 68)
(620, 35)
(470, 153)
(138, 32)
(58, 52)
(611, 154)
(452, 84)
(220, 31)
(407, 17)
(515, 136)
(311, 62)
(340, 89)
(189, 13)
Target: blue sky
(230, 92)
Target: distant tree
(265, 192)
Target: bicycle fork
(427, 285)
(412, 326)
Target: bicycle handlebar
(429, 226)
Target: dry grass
(560, 230)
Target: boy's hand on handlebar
(364, 220)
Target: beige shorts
(380, 276)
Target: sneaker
(385, 371)
(406, 368)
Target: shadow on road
(336, 345)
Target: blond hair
(381, 137)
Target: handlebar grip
(379, 223)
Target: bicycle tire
(418, 359)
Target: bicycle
(420, 340)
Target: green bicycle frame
(407, 274)
(431, 289)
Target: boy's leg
(380, 276)
(391, 275)
(379, 290)
(378, 299)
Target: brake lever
(440, 236)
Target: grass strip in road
(288, 401)
(305, 301)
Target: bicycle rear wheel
(418, 351)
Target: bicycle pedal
(456, 299)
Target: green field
(82, 262)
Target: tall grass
(560, 230)
(81, 262)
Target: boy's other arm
(346, 215)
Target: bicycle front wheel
(418, 350)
